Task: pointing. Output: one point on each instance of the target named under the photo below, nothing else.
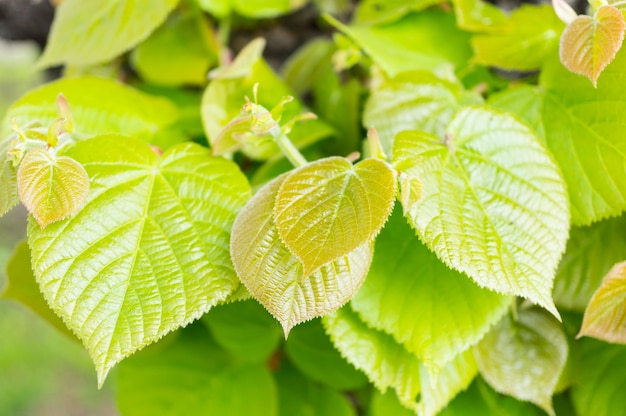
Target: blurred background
(42, 372)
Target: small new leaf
(51, 187)
(274, 276)
(589, 44)
(524, 358)
(605, 316)
(329, 208)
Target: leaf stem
(290, 151)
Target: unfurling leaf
(274, 276)
(605, 316)
(493, 204)
(149, 251)
(329, 208)
(589, 44)
(51, 187)
(524, 358)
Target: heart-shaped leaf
(328, 208)
(524, 358)
(493, 203)
(274, 276)
(51, 187)
(149, 251)
(589, 44)
(605, 316)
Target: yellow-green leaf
(329, 208)
(589, 44)
(275, 276)
(51, 187)
(605, 316)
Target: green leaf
(8, 180)
(51, 187)
(225, 96)
(413, 43)
(526, 102)
(22, 287)
(85, 33)
(433, 311)
(193, 376)
(98, 106)
(178, 53)
(590, 254)
(599, 389)
(274, 276)
(412, 101)
(604, 316)
(245, 329)
(311, 351)
(493, 205)
(387, 404)
(328, 208)
(255, 9)
(525, 357)
(385, 362)
(478, 15)
(589, 44)
(377, 11)
(148, 253)
(529, 37)
(583, 128)
(300, 396)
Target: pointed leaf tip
(605, 316)
(329, 208)
(589, 44)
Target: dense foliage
(449, 263)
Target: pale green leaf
(590, 254)
(98, 106)
(524, 357)
(148, 253)
(589, 44)
(193, 376)
(478, 15)
(387, 404)
(493, 203)
(300, 396)
(255, 9)
(414, 42)
(22, 287)
(386, 363)
(413, 101)
(531, 35)
(178, 53)
(435, 312)
(274, 276)
(378, 12)
(311, 351)
(583, 128)
(599, 388)
(8, 180)
(85, 33)
(51, 187)
(526, 102)
(225, 96)
(245, 329)
(328, 208)
(604, 316)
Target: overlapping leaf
(493, 205)
(378, 12)
(589, 44)
(8, 180)
(583, 128)
(258, 9)
(275, 276)
(605, 314)
(51, 187)
(91, 32)
(328, 208)
(479, 15)
(433, 311)
(149, 251)
(590, 254)
(525, 357)
(526, 102)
